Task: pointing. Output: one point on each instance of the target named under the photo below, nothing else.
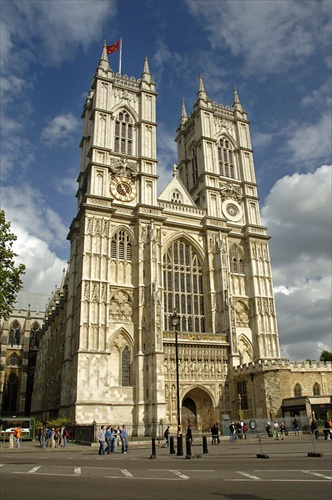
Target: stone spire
(184, 116)
(146, 75)
(104, 62)
(201, 90)
(236, 101)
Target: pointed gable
(175, 192)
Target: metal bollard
(153, 455)
(205, 448)
(180, 445)
(188, 448)
(171, 446)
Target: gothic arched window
(297, 391)
(123, 137)
(176, 197)
(34, 336)
(15, 334)
(316, 389)
(236, 260)
(121, 248)
(125, 367)
(183, 287)
(226, 158)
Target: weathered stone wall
(269, 382)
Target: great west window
(183, 285)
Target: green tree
(325, 356)
(10, 274)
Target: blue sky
(278, 53)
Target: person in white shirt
(101, 439)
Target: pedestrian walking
(166, 436)
(189, 434)
(296, 427)
(124, 437)
(101, 439)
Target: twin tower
(198, 248)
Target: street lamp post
(240, 407)
(176, 323)
(270, 401)
(175, 319)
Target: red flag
(113, 48)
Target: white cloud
(38, 229)
(35, 35)
(262, 139)
(311, 140)
(43, 267)
(271, 36)
(165, 58)
(27, 210)
(298, 215)
(60, 129)
(55, 29)
(67, 185)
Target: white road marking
(178, 473)
(291, 470)
(77, 471)
(317, 474)
(250, 476)
(191, 470)
(126, 473)
(147, 478)
(281, 480)
(33, 470)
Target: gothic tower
(216, 166)
(113, 356)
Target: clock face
(232, 210)
(123, 188)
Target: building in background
(19, 341)
(107, 347)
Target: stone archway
(197, 410)
(189, 413)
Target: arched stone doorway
(188, 412)
(10, 394)
(197, 410)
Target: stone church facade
(19, 342)
(107, 350)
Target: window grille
(226, 159)
(183, 281)
(123, 134)
(121, 248)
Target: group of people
(215, 434)
(113, 437)
(276, 430)
(327, 428)
(237, 430)
(167, 435)
(52, 437)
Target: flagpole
(120, 55)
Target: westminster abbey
(198, 250)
